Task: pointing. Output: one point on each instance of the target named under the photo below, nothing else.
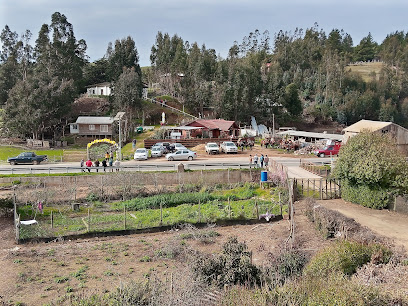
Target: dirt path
(386, 223)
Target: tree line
(299, 75)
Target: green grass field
(9, 151)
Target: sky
(215, 23)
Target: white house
(101, 89)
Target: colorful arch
(97, 141)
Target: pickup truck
(328, 151)
(212, 148)
(27, 158)
(228, 147)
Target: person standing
(117, 164)
(82, 165)
(96, 163)
(107, 156)
(104, 164)
(256, 161)
(266, 161)
(111, 163)
(250, 160)
(261, 160)
(88, 165)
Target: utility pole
(273, 125)
(118, 117)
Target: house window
(92, 127)
(75, 126)
(104, 128)
(93, 91)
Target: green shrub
(368, 196)
(344, 257)
(336, 290)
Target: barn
(399, 133)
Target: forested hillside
(302, 75)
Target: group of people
(259, 161)
(107, 161)
(245, 144)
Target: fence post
(52, 219)
(199, 211)
(280, 204)
(228, 175)
(161, 213)
(321, 189)
(257, 211)
(124, 217)
(229, 206)
(89, 221)
(16, 222)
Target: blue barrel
(264, 176)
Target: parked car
(157, 151)
(179, 146)
(212, 148)
(141, 153)
(329, 150)
(27, 158)
(229, 147)
(182, 155)
(167, 146)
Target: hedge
(368, 196)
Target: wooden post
(89, 221)
(124, 217)
(257, 211)
(161, 213)
(52, 219)
(229, 206)
(280, 204)
(199, 211)
(321, 189)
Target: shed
(214, 128)
(399, 133)
(92, 126)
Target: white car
(157, 151)
(182, 155)
(179, 146)
(229, 147)
(212, 148)
(141, 153)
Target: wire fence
(65, 206)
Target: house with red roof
(213, 128)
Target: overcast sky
(215, 23)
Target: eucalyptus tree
(47, 93)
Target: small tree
(371, 169)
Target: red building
(213, 128)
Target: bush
(367, 196)
(233, 266)
(344, 257)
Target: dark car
(27, 158)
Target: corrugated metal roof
(311, 135)
(367, 125)
(94, 120)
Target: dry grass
(366, 70)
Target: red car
(330, 150)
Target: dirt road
(386, 223)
